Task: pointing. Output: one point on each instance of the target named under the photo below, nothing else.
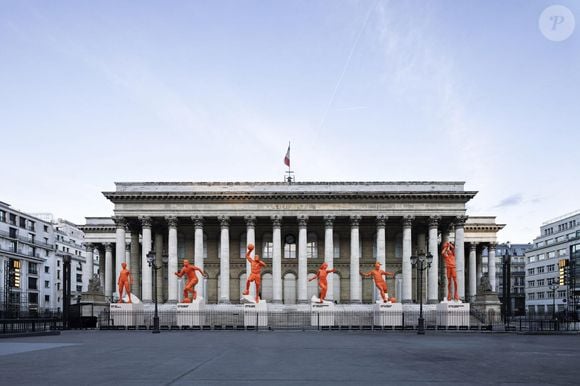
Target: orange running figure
(192, 279)
(124, 282)
(448, 253)
(257, 265)
(377, 275)
(321, 274)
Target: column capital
(473, 246)
(108, 247)
(224, 221)
(434, 221)
(250, 221)
(329, 221)
(355, 220)
(145, 221)
(89, 247)
(460, 221)
(302, 221)
(276, 221)
(172, 221)
(197, 221)
(120, 221)
(407, 220)
(381, 220)
(492, 246)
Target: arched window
(312, 246)
(267, 246)
(267, 288)
(289, 247)
(312, 289)
(336, 245)
(289, 288)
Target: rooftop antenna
(289, 173)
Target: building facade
(545, 262)
(295, 227)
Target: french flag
(287, 157)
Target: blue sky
(97, 92)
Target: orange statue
(192, 280)
(321, 274)
(377, 275)
(448, 253)
(257, 265)
(124, 282)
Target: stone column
(198, 252)
(491, 265)
(277, 259)
(119, 244)
(250, 239)
(102, 268)
(329, 254)
(158, 248)
(109, 271)
(88, 267)
(460, 255)
(302, 262)
(225, 259)
(381, 251)
(355, 288)
(407, 269)
(433, 272)
(472, 271)
(135, 269)
(146, 281)
(172, 260)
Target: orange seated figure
(189, 271)
(377, 275)
(124, 282)
(448, 253)
(256, 270)
(321, 274)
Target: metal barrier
(18, 326)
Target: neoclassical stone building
(295, 227)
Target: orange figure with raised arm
(256, 269)
(377, 275)
(321, 274)
(448, 253)
(124, 282)
(192, 280)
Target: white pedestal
(191, 314)
(387, 314)
(256, 314)
(321, 314)
(127, 314)
(453, 313)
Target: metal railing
(19, 326)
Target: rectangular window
(531, 296)
(551, 267)
(46, 284)
(289, 251)
(540, 295)
(79, 277)
(47, 298)
(12, 219)
(541, 256)
(33, 268)
(540, 244)
(540, 269)
(562, 252)
(562, 293)
(32, 283)
(79, 288)
(14, 273)
(22, 222)
(33, 298)
(531, 271)
(540, 282)
(46, 228)
(12, 233)
(551, 255)
(531, 259)
(2, 216)
(531, 283)
(46, 269)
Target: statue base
(488, 306)
(321, 314)
(127, 314)
(191, 314)
(387, 314)
(453, 313)
(255, 314)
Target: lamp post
(506, 282)
(553, 287)
(151, 261)
(421, 262)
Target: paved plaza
(288, 357)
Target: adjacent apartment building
(546, 264)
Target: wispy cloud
(513, 200)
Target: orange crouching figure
(256, 269)
(377, 275)
(192, 280)
(124, 282)
(321, 274)
(448, 253)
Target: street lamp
(506, 282)
(422, 262)
(553, 287)
(151, 261)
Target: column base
(303, 302)
(432, 301)
(276, 302)
(171, 302)
(407, 301)
(356, 302)
(224, 301)
(147, 301)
